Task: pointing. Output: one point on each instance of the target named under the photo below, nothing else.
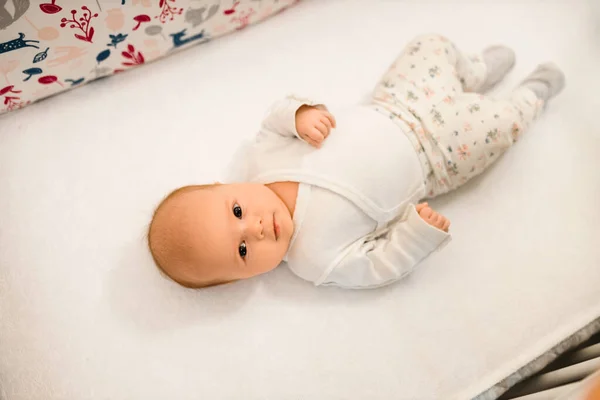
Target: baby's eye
(242, 249)
(237, 211)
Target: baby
(338, 197)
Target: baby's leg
(431, 68)
(475, 130)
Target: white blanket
(85, 315)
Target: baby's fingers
(441, 221)
(312, 142)
(426, 213)
(315, 136)
(327, 123)
(321, 127)
(446, 225)
(330, 117)
(436, 220)
(420, 207)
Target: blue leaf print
(103, 55)
(31, 72)
(41, 56)
(75, 82)
(116, 39)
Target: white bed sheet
(84, 315)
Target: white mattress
(84, 315)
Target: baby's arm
(380, 261)
(301, 118)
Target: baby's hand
(314, 124)
(432, 218)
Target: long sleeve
(281, 117)
(388, 258)
(278, 123)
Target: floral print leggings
(430, 91)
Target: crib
(98, 125)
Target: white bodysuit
(426, 132)
(355, 223)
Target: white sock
(546, 81)
(541, 89)
(499, 60)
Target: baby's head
(207, 235)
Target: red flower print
(50, 8)
(449, 100)
(463, 152)
(83, 24)
(140, 19)
(243, 19)
(132, 57)
(168, 10)
(9, 89)
(231, 10)
(49, 79)
(12, 102)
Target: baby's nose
(255, 227)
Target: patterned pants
(430, 92)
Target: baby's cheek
(265, 257)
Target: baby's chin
(289, 231)
(199, 283)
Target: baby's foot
(546, 81)
(499, 60)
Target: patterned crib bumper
(50, 46)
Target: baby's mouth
(276, 228)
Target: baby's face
(242, 230)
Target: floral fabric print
(49, 46)
(430, 90)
